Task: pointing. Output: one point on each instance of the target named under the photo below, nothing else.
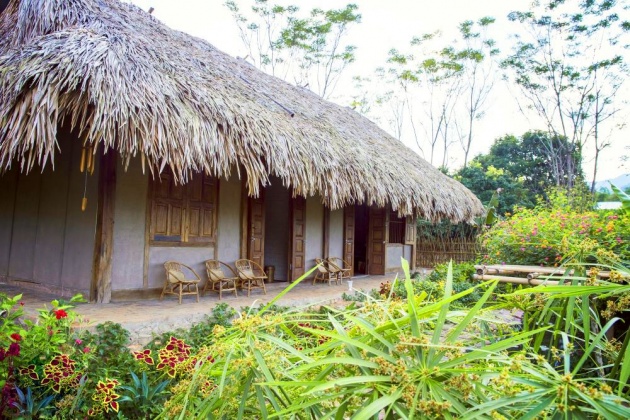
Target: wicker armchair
(341, 267)
(176, 282)
(221, 278)
(324, 273)
(251, 275)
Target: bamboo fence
(430, 252)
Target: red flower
(14, 349)
(16, 337)
(60, 313)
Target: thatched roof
(130, 83)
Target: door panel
(377, 240)
(298, 238)
(349, 224)
(256, 225)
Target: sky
(387, 24)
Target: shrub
(555, 234)
(199, 334)
(398, 358)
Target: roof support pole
(101, 290)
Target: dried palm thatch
(124, 80)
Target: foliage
(607, 194)
(444, 229)
(409, 350)
(110, 346)
(199, 334)
(435, 91)
(569, 66)
(556, 233)
(394, 358)
(305, 49)
(516, 167)
(579, 340)
(489, 217)
(624, 197)
(142, 396)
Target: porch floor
(146, 318)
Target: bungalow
(124, 143)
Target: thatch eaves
(127, 82)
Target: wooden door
(297, 249)
(377, 238)
(411, 228)
(256, 226)
(349, 224)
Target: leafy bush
(199, 334)
(418, 356)
(555, 234)
(395, 358)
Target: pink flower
(522, 249)
(16, 336)
(86, 350)
(78, 342)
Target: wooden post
(326, 236)
(414, 241)
(244, 220)
(104, 240)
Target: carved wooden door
(297, 249)
(256, 248)
(377, 238)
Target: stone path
(146, 318)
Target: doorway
(365, 239)
(278, 231)
(361, 217)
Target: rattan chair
(221, 278)
(340, 267)
(176, 282)
(324, 274)
(251, 275)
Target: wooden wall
(45, 238)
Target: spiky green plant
(393, 359)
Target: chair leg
(181, 289)
(197, 291)
(163, 291)
(262, 281)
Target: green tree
(486, 181)
(519, 167)
(436, 90)
(568, 63)
(478, 76)
(308, 50)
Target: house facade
(124, 144)
(49, 223)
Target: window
(396, 228)
(183, 214)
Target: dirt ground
(146, 318)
